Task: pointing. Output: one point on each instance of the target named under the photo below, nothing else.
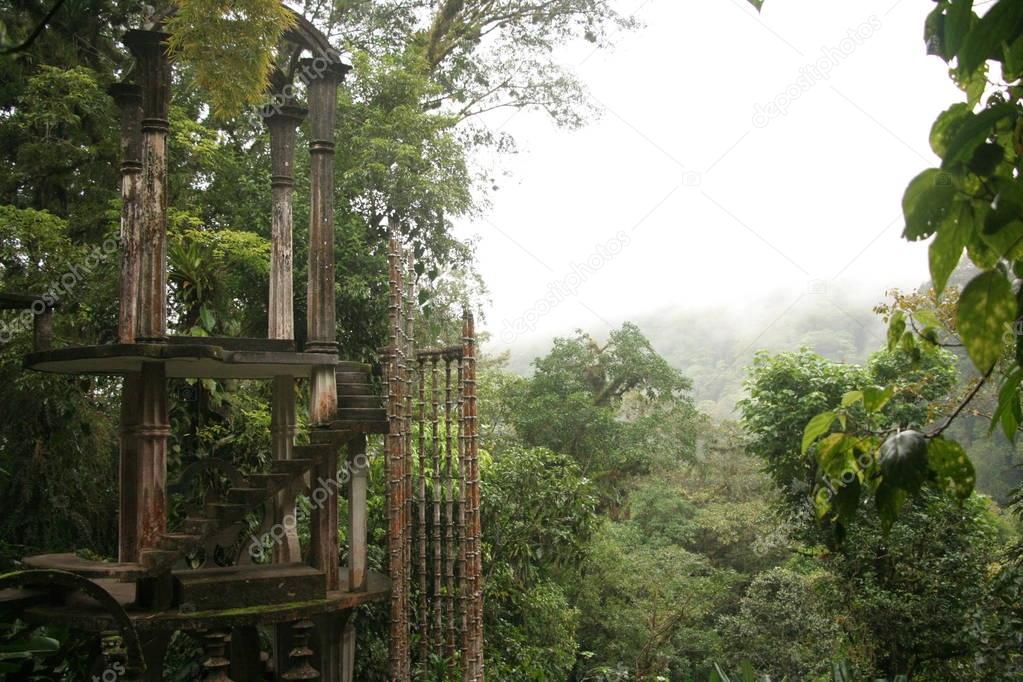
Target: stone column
(128, 98)
(144, 469)
(129, 101)
(149, 49)
(321, 312)
(282, 123)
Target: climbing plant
(972, 202)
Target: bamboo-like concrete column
(463, 584)
(321, 321)
(423, 618)
(398, 657)
(143, 483)
(436, 495)
(283, 423)
(449, 514)
(474, 559)
(409, 356)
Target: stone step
(313, 451)
(225, 510)
(360, 401)
(269, 482)
(354, 378)
(178, 542)
(159, 560)
(198, 525)
(250, 497)
(333, 437)
(235, 587)
(349, 366)
(377, 414)
(294, 467)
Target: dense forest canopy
(662, 501)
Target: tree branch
(35, 33)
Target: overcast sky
(692, 191)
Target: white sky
(719, 211)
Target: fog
(744, 166)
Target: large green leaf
(946, 125)
(1003, 224)
(876, 397)
(926, 203)
(896, 328)
(903, 460)
(958, 22)
(974, 131)
(986, 307)
(836, 457)
(953, 470)
(889, 499)
(33, 645)
(999, 24)
(1008, 413)
(846, 501)
(946, 250)
(817, 427)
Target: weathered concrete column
(144, 470)
(282, 123)
(129, 102)
(149, 49)
(358, 470)
(321, 312)
(128, 98)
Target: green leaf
(851, 398)
(986, 306)
(876, 397)
(896, 328)
(952, 469)
(934, 33)
(974, 131)
(979, 251)
(903, 460)
(1008, 412)
(999, 24)
(846, 501)
(837, 461)
(34, 645)
(1003, 226)
(946, 250)
(816, 428)
(1012, 63)
(958, 22)
(927, 317)
(946, 125)
(758, 4)
(889, 500)
(986, 159)
(926, 203)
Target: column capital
(150, 51)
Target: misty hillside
(712, 347)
